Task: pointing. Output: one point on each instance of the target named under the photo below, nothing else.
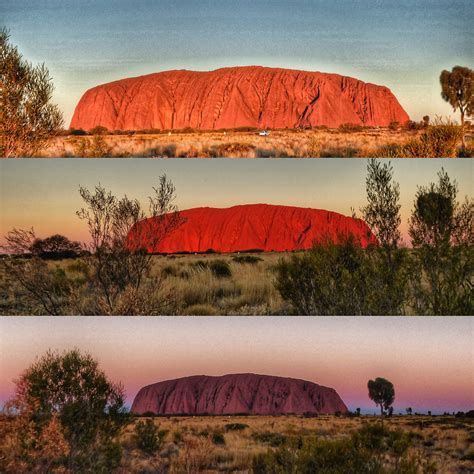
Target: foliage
(148, 436)
(220, 269)
(252, 259)
(333, 278)
(121, 266)
(95, 148)
(457, 88)
(382, 392)
(441, 231)
(368, 450)
(235, 426)
(382, 215)
(439, 140)
(27, 117)
(68, 398)
(56, 247)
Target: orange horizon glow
(44, 193)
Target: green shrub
(220, 269)
(247, 259)
(218, 439)
(148, 437)
(371, 449)
(235, 426)
(333, 278)
(270, 438)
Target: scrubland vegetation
(111, 276)
(67, 416)
(439, 139)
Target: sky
(428, 359)
(401, 44)
(44, 193)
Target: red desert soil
(265, 227)
(251, 96)
(237, 394)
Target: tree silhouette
(382, 393)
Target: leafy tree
(382, 393)
(90, 409)
(442, 235)
(27, 117)
(457, 88)
(56, 247)
(382, 215)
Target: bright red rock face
(248, 227)
(237, 394)
(233, 97)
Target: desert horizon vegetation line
(68, 416)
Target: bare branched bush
(121, 250)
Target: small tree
(382, 393)
(27, 117)
(122, 249)
(382, 215)
(442, 235)
(56, 247)
(457, 88)
(71, 388)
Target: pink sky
(429, 360)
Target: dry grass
(193, 287)
(324, 143)
(198, 291)
(445, 441)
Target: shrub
(368, 450)
(333, 278)
(394, 125)
(270, 438)
(148, 437)
(99, 130)
(220, 269)
(440, 140)
(247, 259)
(218, 439)
(77, 132)
(235, 426)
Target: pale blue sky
(402, 44)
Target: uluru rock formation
(234, 97)
(237, 394)
(263, 227)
